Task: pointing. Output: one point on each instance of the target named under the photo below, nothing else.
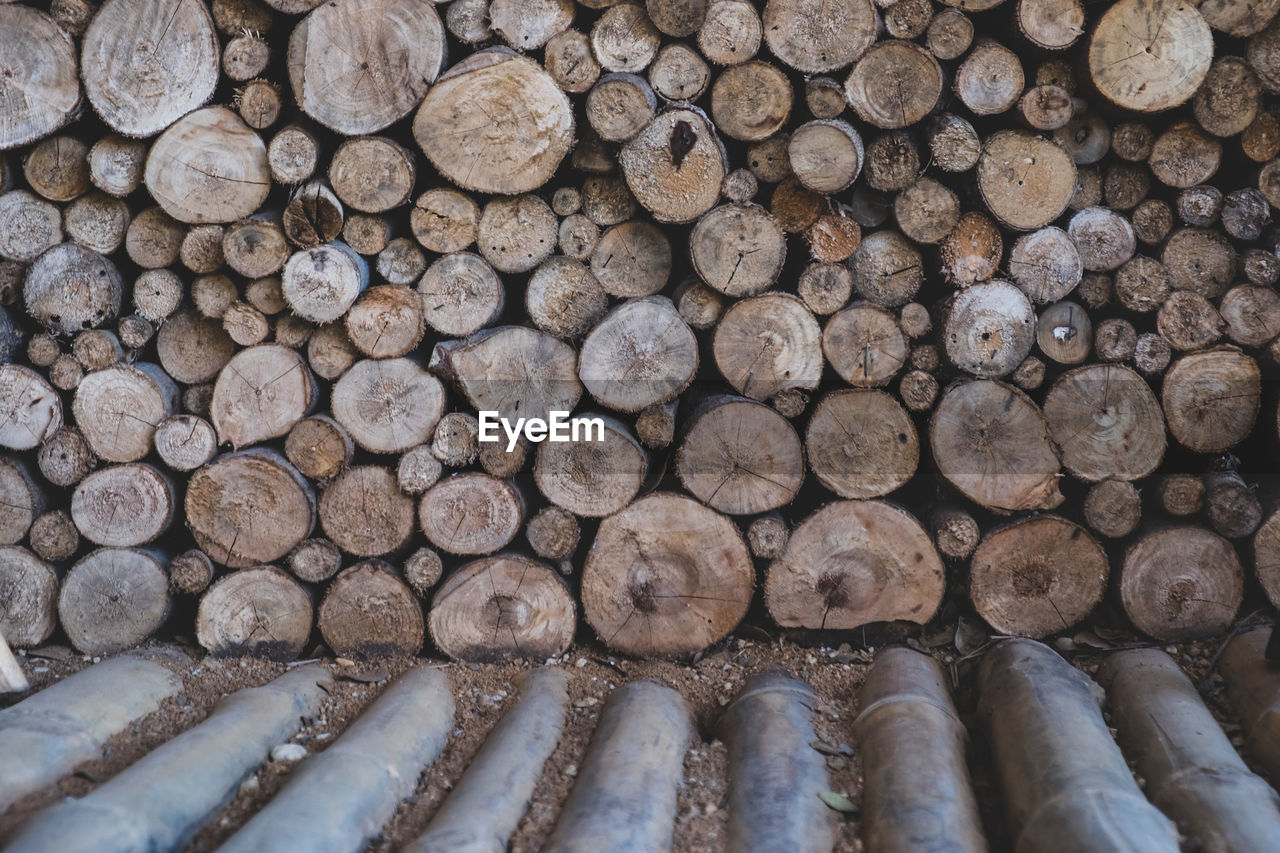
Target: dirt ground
(483, 692)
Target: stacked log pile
(879, 302)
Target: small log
(193, 349)
(1180, 49)
(593, 477)
(737, 249)
(118, 409)
(270, 374)
(364, 513)
(1200, 260)
(625, 794)
(315, 560)
(388, 405)
(190, 572)
(260, 611)
(91, 706)
(112, 599)
(35, 226)
(44, 89)
(30, 593)
(859, 443)
(678, 564)
(485, 807)
(767, 536)
(336, 48)
(516, 234)
(456, 440)
(320, 284)
(314, 215)
(1037, 576)
(319, 447)
(53, 536)
(1192, 771)
(64, 458)
(1106, 423)
(380, 756)
(675, 166)
(971, 253)
(1211, 399)
(1234, 510)
(1252, 314)
(852, 563)
(515, 371)
(123, 505)
(1066, 786)
(369, 611)
(730, 33)
(739, 456)
(949, 35)
(444, 220)
(115, 164)
(1254, 692)
(571, 64)
(1025, 180)
(989, 329)
(1113, 508)
(209, 166)
(501, 607)
(1045, 265)
(1064, 333)
(472, 513)
(564, 298)
(992, 443)
(752, 101)
(768, 344)
(1181, 583)
(532, 142)
(776, 777)
(418, 470)
(917, 791)
(461, 293)
(955, 532)
(917, 84)
(887, 269)
(553, 533)
(623, 344)
(142, 806)
(69, 288)
(226, 508)
(1181, 494)
(21, 500)
(989, 80)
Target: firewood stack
(880, 302)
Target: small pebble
(288, 752)
(250, 786)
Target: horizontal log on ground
(775, 776)
(340, 798)
(47, 735)
(1066, 786)
(487, 803)
(1193, 773)
(161, 800)
(624, 797)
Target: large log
(666, 576)
(852, 563)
